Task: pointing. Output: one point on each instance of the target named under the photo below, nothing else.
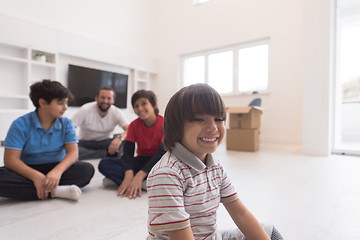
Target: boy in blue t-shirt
(41, 150)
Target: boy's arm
(182, 234)
(245, 221)
(53, 177)
(135, 185)
(126, 161)
(12, 162)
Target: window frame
(235, 50)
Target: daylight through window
(232, 70)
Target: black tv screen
(84, 82)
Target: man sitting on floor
(97, 121)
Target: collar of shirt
(56, 126)
(190, 159)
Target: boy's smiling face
(143, 109)
(203, 135)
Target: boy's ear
(42, 102)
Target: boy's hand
(52, 180)
(123, 188)
(134, 187)
(129, 175)
(39, 183)
(131, 186)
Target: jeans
(112, 168)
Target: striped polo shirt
(183, 192)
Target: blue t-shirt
(37, 145)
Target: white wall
(318, 76)
(129, 25)
(185, 28)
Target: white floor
(306, 197)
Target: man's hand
(114, 146)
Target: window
(253, 69)
(194, 70)
(237, 69)
(221, 67)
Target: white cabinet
(21, 66)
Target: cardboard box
(242, 139)
(244, 117)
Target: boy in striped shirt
(187, 185)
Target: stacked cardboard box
(244, 129)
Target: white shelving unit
(21, 66)
(143, 80)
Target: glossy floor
(306, 197)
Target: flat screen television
(84, 82)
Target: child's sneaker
(108, 183)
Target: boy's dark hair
(149, 95)
(196, 99)
(48, 90)
(106, 88)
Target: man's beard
(103, 109)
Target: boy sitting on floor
(41, 150)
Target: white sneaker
(108, 183)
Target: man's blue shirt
(37, 145)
